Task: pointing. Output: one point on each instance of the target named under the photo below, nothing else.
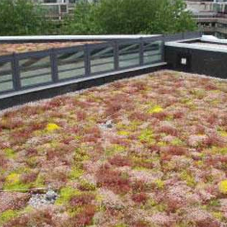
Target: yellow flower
(223, 133)
(52, 127)
(123, 133)
(159, 184)
(223, 186)
(155, 109)
(13, 178)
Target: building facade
(58, 9)
(211, 16)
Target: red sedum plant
(133, 153)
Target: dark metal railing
(21, 71)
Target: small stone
(39, 200)
(51, 195)
(109, 124)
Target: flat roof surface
(136, 152)
(206, 46)
(212, 45)
(208, 43)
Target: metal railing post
(54, 67)
(163, 48)
(87, 60)
(116, 55)
(16, 73)
(163, 37)
(141, 51)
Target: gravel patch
(40, 200)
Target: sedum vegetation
(161, 162)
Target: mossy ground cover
(161, 162)
(7, 49)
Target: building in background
(211, 16)
(58, 9)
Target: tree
(172, 17)
(130, 17)
(83, 21)
(22, 17)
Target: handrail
(36, 69)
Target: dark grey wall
(210, 63)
